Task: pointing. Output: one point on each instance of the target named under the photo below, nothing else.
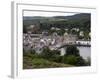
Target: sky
(46, 14)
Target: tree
(52, 55)
(72, 50)
(73, 57)
(55, 56)
(32, 51)
(46, 53)
(56, 52)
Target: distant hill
(76, 16)
(81, 21)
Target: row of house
(38, 41)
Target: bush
(81, 61)
(56, 58)
(33, 52)
(71, 59)
(50, 54)
(55, 52)
(74, 60)
(46, 53)
(72, 50)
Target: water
(85, 52)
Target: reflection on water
(85, 52)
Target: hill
(81, 21)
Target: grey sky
(46, 14)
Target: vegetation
(73, 57)
(31, 61)
(51, 58)
(72, 50)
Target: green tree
(46, 53)
(73, 57)
(72, 50)
(52, 55)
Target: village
(38, 41)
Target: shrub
(72, 50)
(56, 52)
(71, 59)
(50, 54)
(46, 53)
(33, 51)
(56, 59)
(74, 60)
(81, 61)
